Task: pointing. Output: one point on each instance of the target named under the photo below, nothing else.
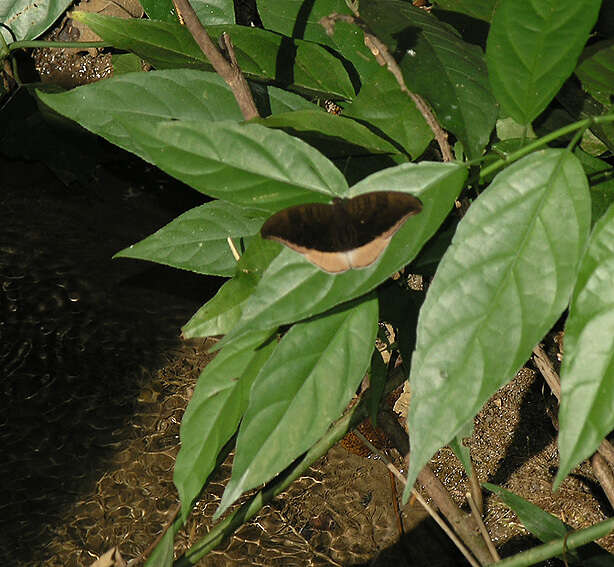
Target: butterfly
(347, 234)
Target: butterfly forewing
(349, 233)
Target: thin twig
(383, 57)
(478, 518)
(603, 472)
(229, 71)
(233, 249)
(476, 489)
(545, 366)
(462, 522)
(423, 502)
(548, 372)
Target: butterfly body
(347, 234)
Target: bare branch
(229, 71)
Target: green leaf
(163, 553)
(541, 524)
(301, 20)
(581, 105)
(333, 135)
(292, 288)
(460, 450)
(178, 94)
(162, 10)
(437, 64)
(215, 409)
(382, 107)
(501, 285)
(246, 164)
(587, 373)
(377, 384)
(197, 239)
(306, 384)
(212, 12)
(27, 19)
(219, 315)
(480, 9)
(601, 183)
(596, 70)
(126, 63)
(261, 54)
(532, 48)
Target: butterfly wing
(352, 233)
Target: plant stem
(229, 71)
(57, 44)
(228, 525)
(580, 125)
(559, 546)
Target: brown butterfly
(347, 234)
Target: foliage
(516, 258)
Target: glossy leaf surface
(213, 414)
(306, 384)
(27, 19)
(501, 285)
(586, 414)
(532, 48)
(197, 239)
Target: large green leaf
(480, 9)
(246, 164)
(596, 70)
(333, 135)
(178, 94)
(292, 288)
(215, 409)
(532, 48)
(27, 19)
(306, 384)
(220, 314)
(437, 64)
(197, 240)
(587, 373)
(501, 285)
(261, 54)
(381, 106)
(301, 20)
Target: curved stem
(559, 546)
(57, 44)
(580, 125)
